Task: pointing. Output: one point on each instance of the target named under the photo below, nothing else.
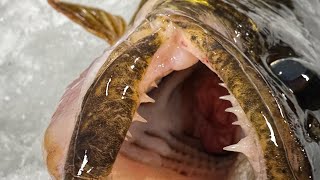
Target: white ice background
(41, 52)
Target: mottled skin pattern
(104, 120)
(233, 70)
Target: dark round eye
(313, 127)
(303, 82)
(291, 73)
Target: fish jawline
(177, 54)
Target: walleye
(194, 89)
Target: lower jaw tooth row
(246, 145)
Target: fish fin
(98, 22)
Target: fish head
(193, 90)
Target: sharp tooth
(227, 98)
(241, 116)
(233, 148)
(237, 123)
(243, 146)
(146, 99)
(223, 85)
(139, 118)
(230, 98)
(235, 110)
(238, 112)
(154, 84)
(247, 147)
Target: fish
(191, 89)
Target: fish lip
(226, 48)
(102, 162)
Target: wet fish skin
(104, 120)
(108, 117)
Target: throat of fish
(188, 122)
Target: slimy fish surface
(192, 90)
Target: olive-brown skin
(104, 119)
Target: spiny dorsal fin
(98, 22)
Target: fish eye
(301, 80)
(292, 73)
(313, 127)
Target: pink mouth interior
(213, 126)
(187, 119)
(205, 113)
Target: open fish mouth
(174, 99)
(187, 120)
(192, 123)
(189, 123)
